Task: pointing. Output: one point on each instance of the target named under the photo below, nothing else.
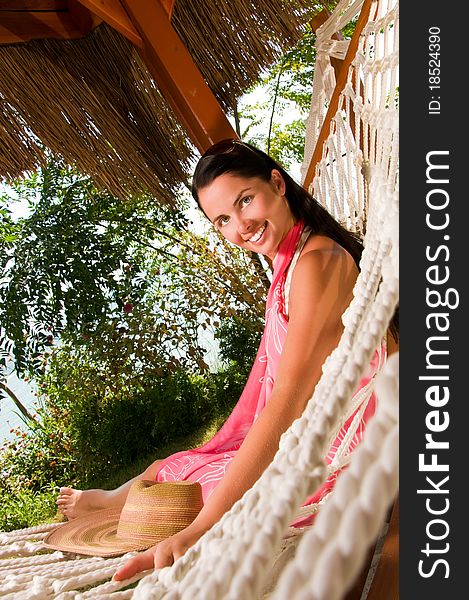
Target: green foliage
(8, 231)
(287, 143)
(110, 415)
(30, 464)
(26, 508)
(218, 281)
(36, 455)
(85, 266)
(104, 303)
(239, 340)
(62, 270)
(295, 70)
(277, 125)
(87, 425)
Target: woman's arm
(321, 290)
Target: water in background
(9, 414)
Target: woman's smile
(249, 212)
(257, 236)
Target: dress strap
(296, 256)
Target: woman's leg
(73, 503)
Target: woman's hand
(161, 555)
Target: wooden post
(25, 20)
(340, 84)
(316, 23)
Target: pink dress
(208, 463)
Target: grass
(197, 438)
(27, 509)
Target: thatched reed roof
(93, 100)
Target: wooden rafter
(113, 13)
(177, 76)
(168, 5)
(147, 24)
(25, 20)
(32, 5)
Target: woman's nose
(245, 226)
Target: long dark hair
(244, 160)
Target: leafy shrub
(79, 438)
(119, 431)
(86, 267)
(35, 457)
(26, 508)
(239, 340)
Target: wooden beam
(24, 26)
(113, 13)
(33, 5)
(84, 20)
(25, 20)
(316, 23)
(177, 76)
(168, 5)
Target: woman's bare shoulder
(320, 247)
(322, 242)
(324, 269)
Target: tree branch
(237, 123)
(17, 402)
(277, 85)
(260, 269)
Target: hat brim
(95, 534)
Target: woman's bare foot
(74, 503)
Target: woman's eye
(246, 200)
(223, 221)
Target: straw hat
(152, 512)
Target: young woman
(256, 205)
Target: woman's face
(249, 212)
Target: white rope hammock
(252, 552)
